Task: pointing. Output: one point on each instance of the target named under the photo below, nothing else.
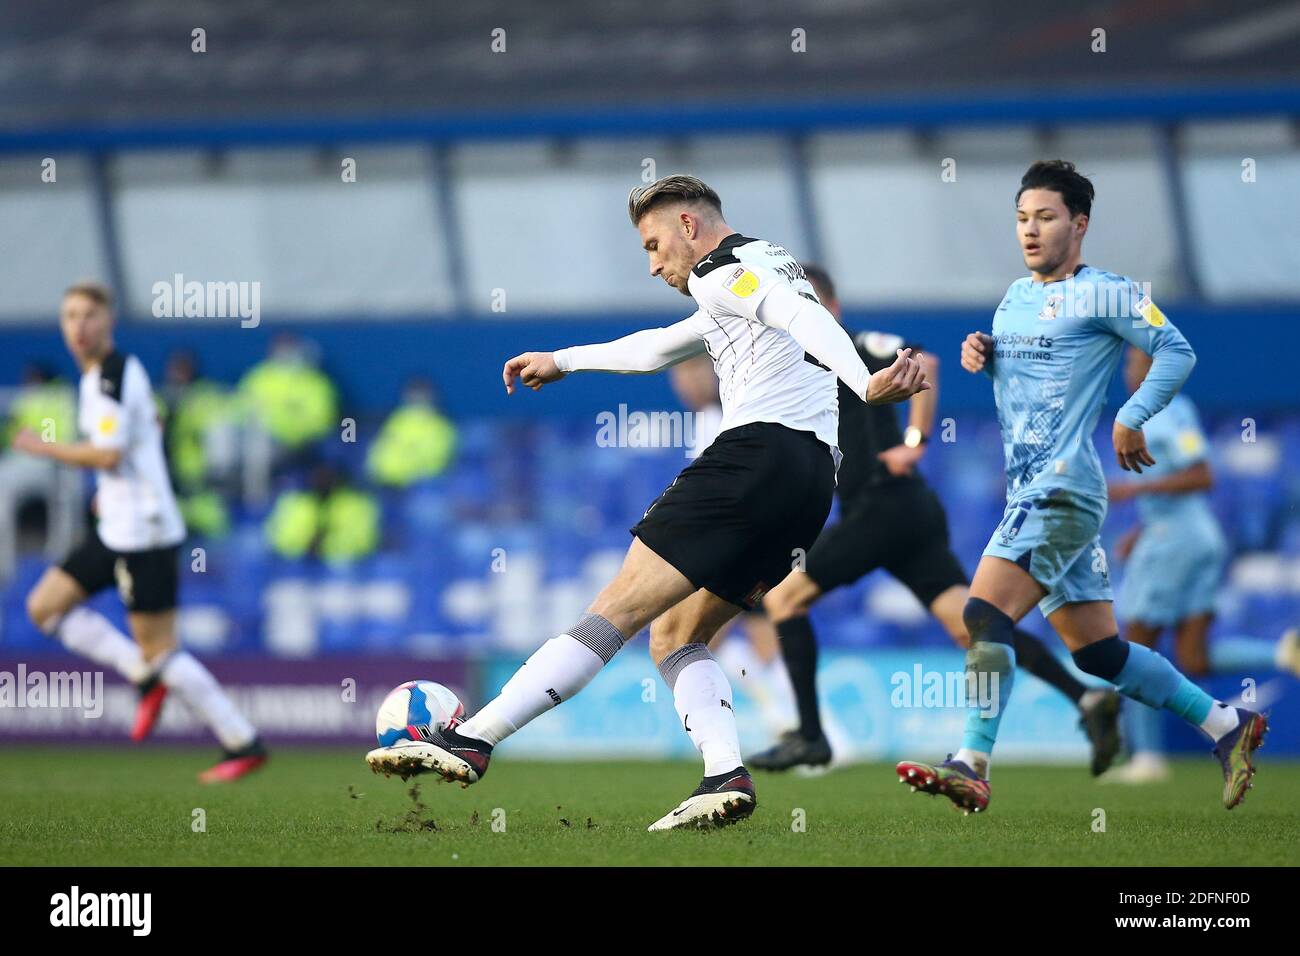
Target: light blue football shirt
(1056, 348)
(1176, 441)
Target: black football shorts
(738, 518)
(900, 527)
(146, 580)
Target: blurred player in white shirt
(136, 544)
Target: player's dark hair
(96, 292)
(821, 282)
(669, 189)
(1060, 176)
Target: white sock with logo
(92, 635)
(196, 686)
(557, 670)
(1220, 721)
(702, 696)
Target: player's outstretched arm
(533, 369)
(77, 454)
(977, 352)
(646, 351)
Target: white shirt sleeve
(809, 324)
(110, 418)
(646, 351)
(736, 289)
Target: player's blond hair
(680, 188)
(96, 292)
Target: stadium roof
(71, 64)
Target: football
(414, 705)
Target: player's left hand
(27, 440)
(897, 383)
(901, 460)
(1131, 448)
(534, 369)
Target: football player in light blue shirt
(1057, 339)
(1174, 563)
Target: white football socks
(1221, 720)
(977, 760)
(196, 686)
(557, 670)
(702, 696)
(92, 635)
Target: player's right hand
(1131, 448)
(899, 382)
(976, 351)
(901, 460)
(27, 440)
(534, 369)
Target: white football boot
(718, 801)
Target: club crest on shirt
(1051, 306)
(742, 283)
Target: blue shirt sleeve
(1139, 322)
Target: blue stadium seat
(546, 493)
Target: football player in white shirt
(136, 544)
(755, 658)
(732, 523)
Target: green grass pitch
(89, 807)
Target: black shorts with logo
(146, 580)
(741, 515)
(900, 527)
